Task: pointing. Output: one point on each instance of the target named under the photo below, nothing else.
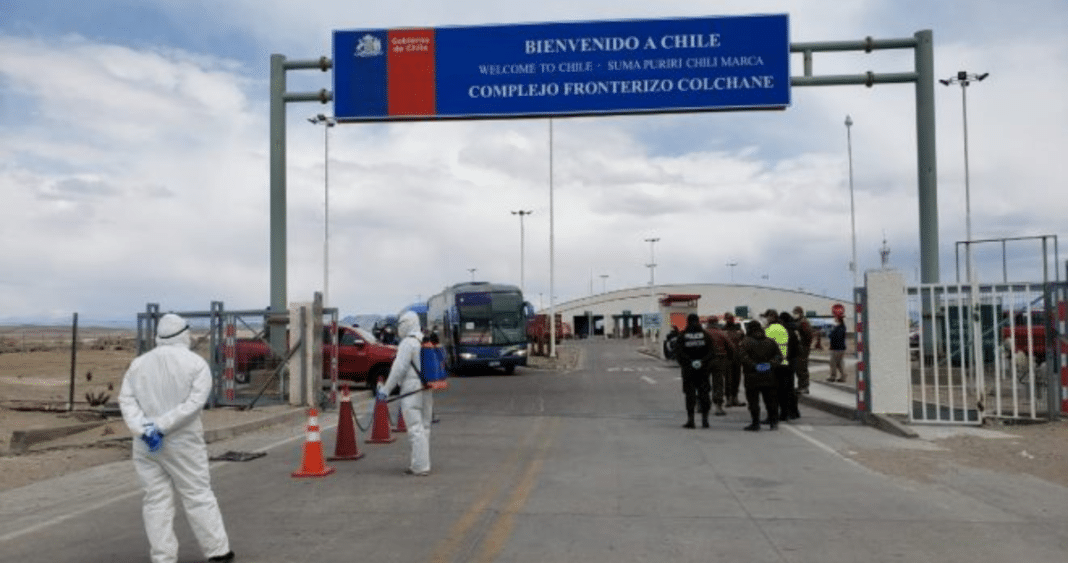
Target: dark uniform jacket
(755, 349)
(695, 345)
(838, 337)
(722, 344)
(805, 336)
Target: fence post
(73, 360)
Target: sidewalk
(841, 398)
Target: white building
(621, 311)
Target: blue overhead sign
(580, 68)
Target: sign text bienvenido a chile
(582, 68)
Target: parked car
(361, 358)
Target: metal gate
(261, 381)
(987, 351)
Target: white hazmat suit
(418, 407)
(168, 387)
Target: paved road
(589, 466)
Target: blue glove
(152, 437)
(763, 367)
(696, 364)
(380, 394)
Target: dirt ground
(33, 381)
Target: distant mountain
(124, 324)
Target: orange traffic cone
(345, 449)
(401, 426)
(312, 464)
(380, 425)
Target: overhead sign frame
(562, 69)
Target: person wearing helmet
(695, 352)
(418, 404)
(163, 393)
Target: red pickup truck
(361, 358)
(1025, 336)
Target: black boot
(754, 427)
(689, 420)
(704, 419)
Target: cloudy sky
(134, 161)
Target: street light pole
(604, 278)
(731, 265)
(964, 79)
(852, 205)
(652, 277)
(522, 250)
(327, 122)
(472, 270)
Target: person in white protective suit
(163, 393)
(418, 406)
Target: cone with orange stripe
(345, 449)
(313, 465)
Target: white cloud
(134, 173)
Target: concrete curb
(831, 407)
(890, 425)
(883, 422)
(291, 416)
(21, 440)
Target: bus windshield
(491, 318)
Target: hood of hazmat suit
(172, 330)
(403, 372)
(408, 325)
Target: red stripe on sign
(410, 73)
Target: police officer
(695, 351)
(735, 333)
(724, 357)
(805, 336)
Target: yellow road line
(449, 548)
(501, 530)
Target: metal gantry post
(278, 314)
(926, 156)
